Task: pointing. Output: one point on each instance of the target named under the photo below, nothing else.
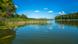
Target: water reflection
(7, 36)
(47, 34)
(54, 33)
(70, 23)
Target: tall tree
(7, 8)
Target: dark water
(53, 33)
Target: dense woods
(7, 9)
(68, 16)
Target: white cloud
(50, 11)
(59, 13)
(45, 8)
(16, 6)
(36, 11)
(62, 13)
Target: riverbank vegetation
(72, 16)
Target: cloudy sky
(45, 8)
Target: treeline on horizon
(68, 16)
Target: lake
(53, 33)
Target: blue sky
(45, 8)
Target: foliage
(6, 8)
(2, 23)
(68, 16)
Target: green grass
(10, 23)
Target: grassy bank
(10, 23)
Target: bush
(2, 23)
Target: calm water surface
(53, 33)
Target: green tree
(7, 8)
(24, 16)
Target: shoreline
(14, 24)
